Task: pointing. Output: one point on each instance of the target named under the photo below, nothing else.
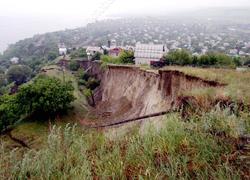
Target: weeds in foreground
(179, 150)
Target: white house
(62, 51)
(92, 50)
(14, 60)
(145, 53)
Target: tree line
(183, 57)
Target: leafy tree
(2, 80)
(74, 65)
(52, 55)
(195, 60)
(246, 61)
(237, 61)
(178, 57)
(204, 60)
(34, 63)
(79, 53)
(18, 74)
(82, 53)
(83, 75)
(224, 60)
(45, 96)
(9, 111)
(90, 83)
(96, 56)
(127, 57)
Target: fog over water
(22, 19)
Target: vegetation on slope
(237, 82)
(202, 148)
(44, 97)
(125, 57)
(80, 103)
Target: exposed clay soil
(129, 92)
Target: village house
(145, 53)
(62, 49)
(92, 50)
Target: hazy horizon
(23, 19)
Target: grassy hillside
(34, 131)
(211, 145)
(179, 150)
(80, 104)
(237, 83)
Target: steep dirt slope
(128, 92)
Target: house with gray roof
(145, 53)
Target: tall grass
(179, 150)
(238, 83)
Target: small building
(145, 53)
(92, 50)
(62, 51)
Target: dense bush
(45, 96)
(9, 111)
(18, 74)
(182, 57)
(74, 65)
(110, 59)
(126, 57)
(246, 61)
(2, 80)
(52, 55)
(179, 57)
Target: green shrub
(9, 111)
(45, 95)
(74, 65)
(18, 74)
(87, 93)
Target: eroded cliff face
(129, 92)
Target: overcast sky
(20, 19)
(86, 8)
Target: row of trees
(44, 97)
(182, 57)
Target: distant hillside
(196, 27)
